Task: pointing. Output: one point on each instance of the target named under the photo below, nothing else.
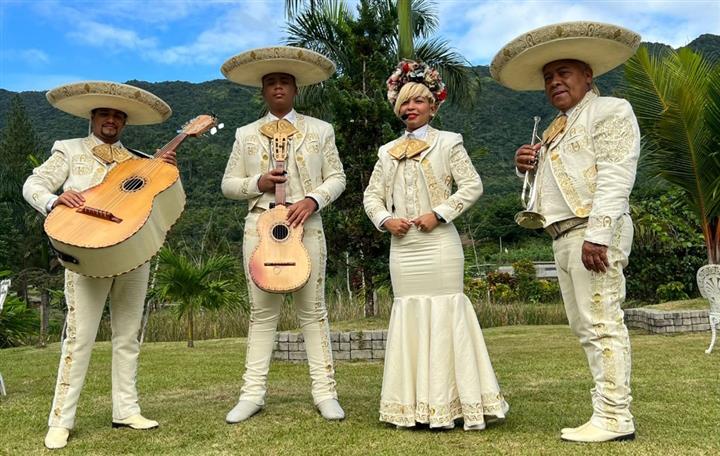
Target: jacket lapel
(431, 139)
(573, 117)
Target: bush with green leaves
(18, 323)
(672, 291)
(668, 246)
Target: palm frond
(675, 98)
(462, 83)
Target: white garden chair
(4, 287)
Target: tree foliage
(192, 283)
(676, 96)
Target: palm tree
(326, 26)
(676, 97)
(195, 283)
(364, 44)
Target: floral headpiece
(411, 71)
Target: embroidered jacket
(313, 148)
(72, 166)
(444, 162)
(594, 162)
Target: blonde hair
(410, 91)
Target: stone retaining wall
(356, 345)
(664, 321)
(370, 345)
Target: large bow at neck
(408, 148)
(109, 153)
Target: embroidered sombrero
(80, 98)
(519, 63)
(308, 67)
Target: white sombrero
(80, 98)
(519, 63)
(248, 68)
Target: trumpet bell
(530, 220)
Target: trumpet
(528, 218)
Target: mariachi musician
(313, 178)
(76, 165)
(585, 165)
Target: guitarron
(125, 219)
(280, 263)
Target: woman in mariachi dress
(437, 368)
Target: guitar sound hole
(133, 184)
(280, 232)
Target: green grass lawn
(686, 304)
(541, 369)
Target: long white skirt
(437, 368)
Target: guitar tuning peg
(221, 126)
(213, 130)
(179, 131)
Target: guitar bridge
(99, 213)
(288, 263)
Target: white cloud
(253, 25)
(479, 29)
(109, 37)
(32, 57)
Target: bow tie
(278, 127)
(555, 129)
(109, 153)
(408, 148)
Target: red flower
(442, 95)
(405, 67)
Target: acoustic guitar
(125, 219)
(280, 263)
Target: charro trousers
(309, 303)
(592, 303)
(85, 297)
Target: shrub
(672, 291)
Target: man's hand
(426, 222)
(267, 182)
(169, 157)
(397, 226)
(526, 157)
(300, 211)
(70, 198)
(594, 257)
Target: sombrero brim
(80, 98)
(248, 68)
(519, 64)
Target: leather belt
(558, 229)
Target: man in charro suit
(585, 169)
(314, 178)
(76, 165)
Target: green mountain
(493, 128)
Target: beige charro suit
(72, 166)
(593, 165)
(439, 170)
(314, 170)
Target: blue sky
(45, 43)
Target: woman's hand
(397, 226)
(426, 222)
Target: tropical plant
(17, 323)
(676, 97)
(195, 283)
(364, 46)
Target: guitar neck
(172, 145)
(280, 187)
